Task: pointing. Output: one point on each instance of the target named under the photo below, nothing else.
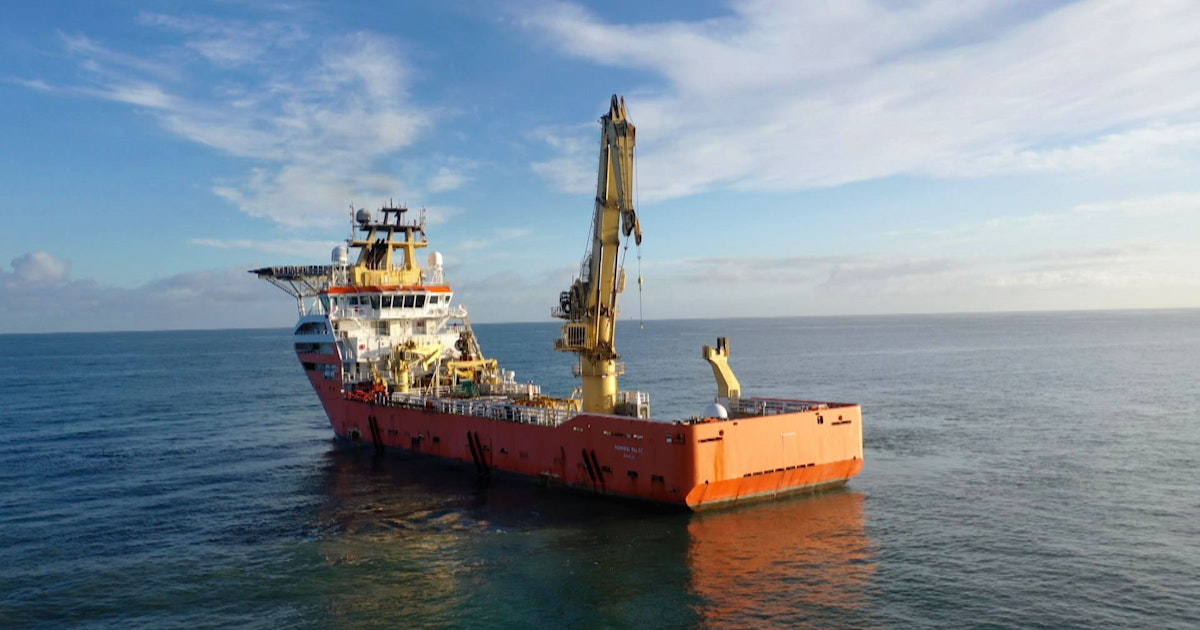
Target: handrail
(507, 410)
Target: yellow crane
(590, 305)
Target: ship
(397, 366)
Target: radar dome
(363, 216)
(715, 410)
(435, 259)
(340, 255)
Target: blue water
(1022, 471)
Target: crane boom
(590, 306)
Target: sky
(794, 158)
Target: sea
(1033, 470)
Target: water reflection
(416, 542)
(802, 562)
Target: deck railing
(774, 406)
(506, 410)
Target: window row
(407, 300)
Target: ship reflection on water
(802, 562)
(416, 542)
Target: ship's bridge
(387, 302)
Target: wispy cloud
(1149, 267)
(783, 95)
(1174, 204)
(1063, 278)
(1115, 213)
(229, 42)
(1154, 146)
(452, 174)
(495, 237)
(113, 64)
(305, 250)
(572, 170)
(315, 118)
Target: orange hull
(693, 464)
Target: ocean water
(1022, 471)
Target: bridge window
(409, 300)
(421, 301)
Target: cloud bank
(39, 295)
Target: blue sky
(794, 158)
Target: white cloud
(786, 95)
(315, 117)
(40, 268)
(137, 93)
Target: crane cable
(637, 199)
(641, 321)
